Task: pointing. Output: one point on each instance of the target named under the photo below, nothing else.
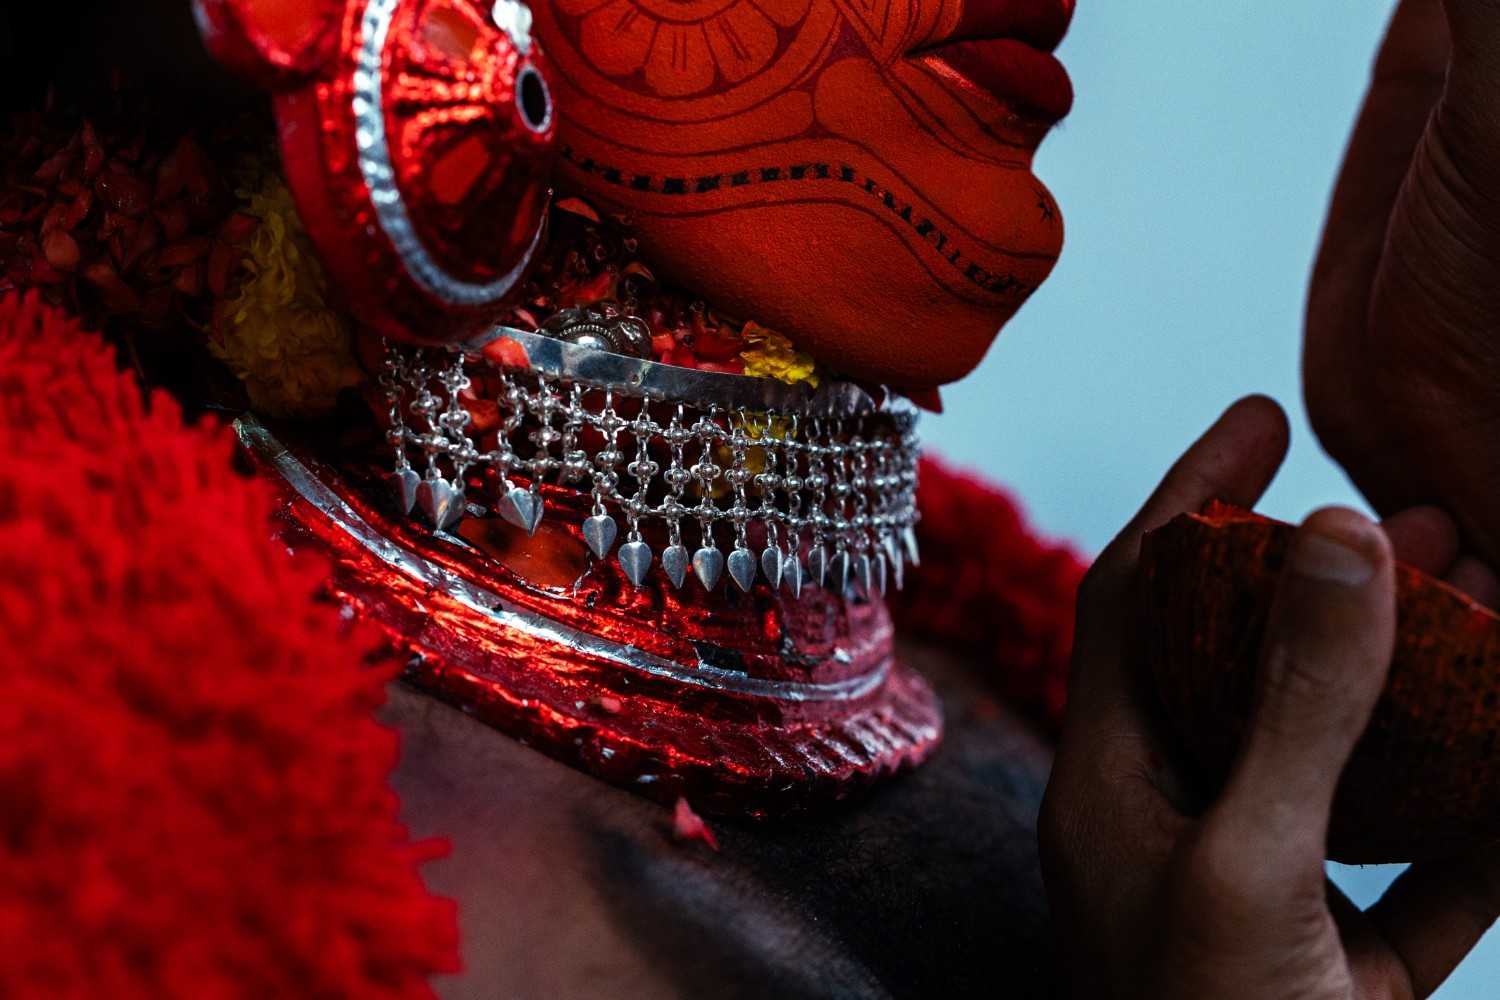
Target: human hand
(1156, 895)
(1402, 350)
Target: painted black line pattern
(990, 281)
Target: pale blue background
(1193, 176)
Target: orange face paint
(856, 175)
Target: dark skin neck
(568, 887)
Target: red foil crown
(417, 138)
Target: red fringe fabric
(991, 587)
(193, 792)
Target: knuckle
(1295, 678)
(1215, 872)
(1225, 870)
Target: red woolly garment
(193, 792)
(991, 586)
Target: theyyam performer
(519, 407)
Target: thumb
(1324, 660)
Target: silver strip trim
(256, 438)
(705, 390)
(380, 177)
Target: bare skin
(571, 888)
(1159, 899)
(1401, 357)
(568, 887)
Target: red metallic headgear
(416, 137)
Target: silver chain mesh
(835, 495)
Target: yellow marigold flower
(278, 333)
(770, 355)
(761, 427)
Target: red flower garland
(990, 586)
(193, 793)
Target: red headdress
(416, 136)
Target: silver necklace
(822, 482)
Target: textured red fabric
(193, 792)
(989, 585)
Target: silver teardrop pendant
(742, 568)
(770, 564)
(600, 531)
(522, 508)
(675, 562)
(635, 561)
(404, 483)
(708, 563)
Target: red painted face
(855, 173)
(417, 139)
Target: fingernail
(1321, 556)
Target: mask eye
(533, 99)
(514, 18)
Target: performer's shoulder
(566, 886)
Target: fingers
(1477, 580)
(1436, 912)
(1467, 129)
(1425, 538)
(1107, 764)
(1407, 84)
(1324, 659)
(1234, 460)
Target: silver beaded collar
(822, 482)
